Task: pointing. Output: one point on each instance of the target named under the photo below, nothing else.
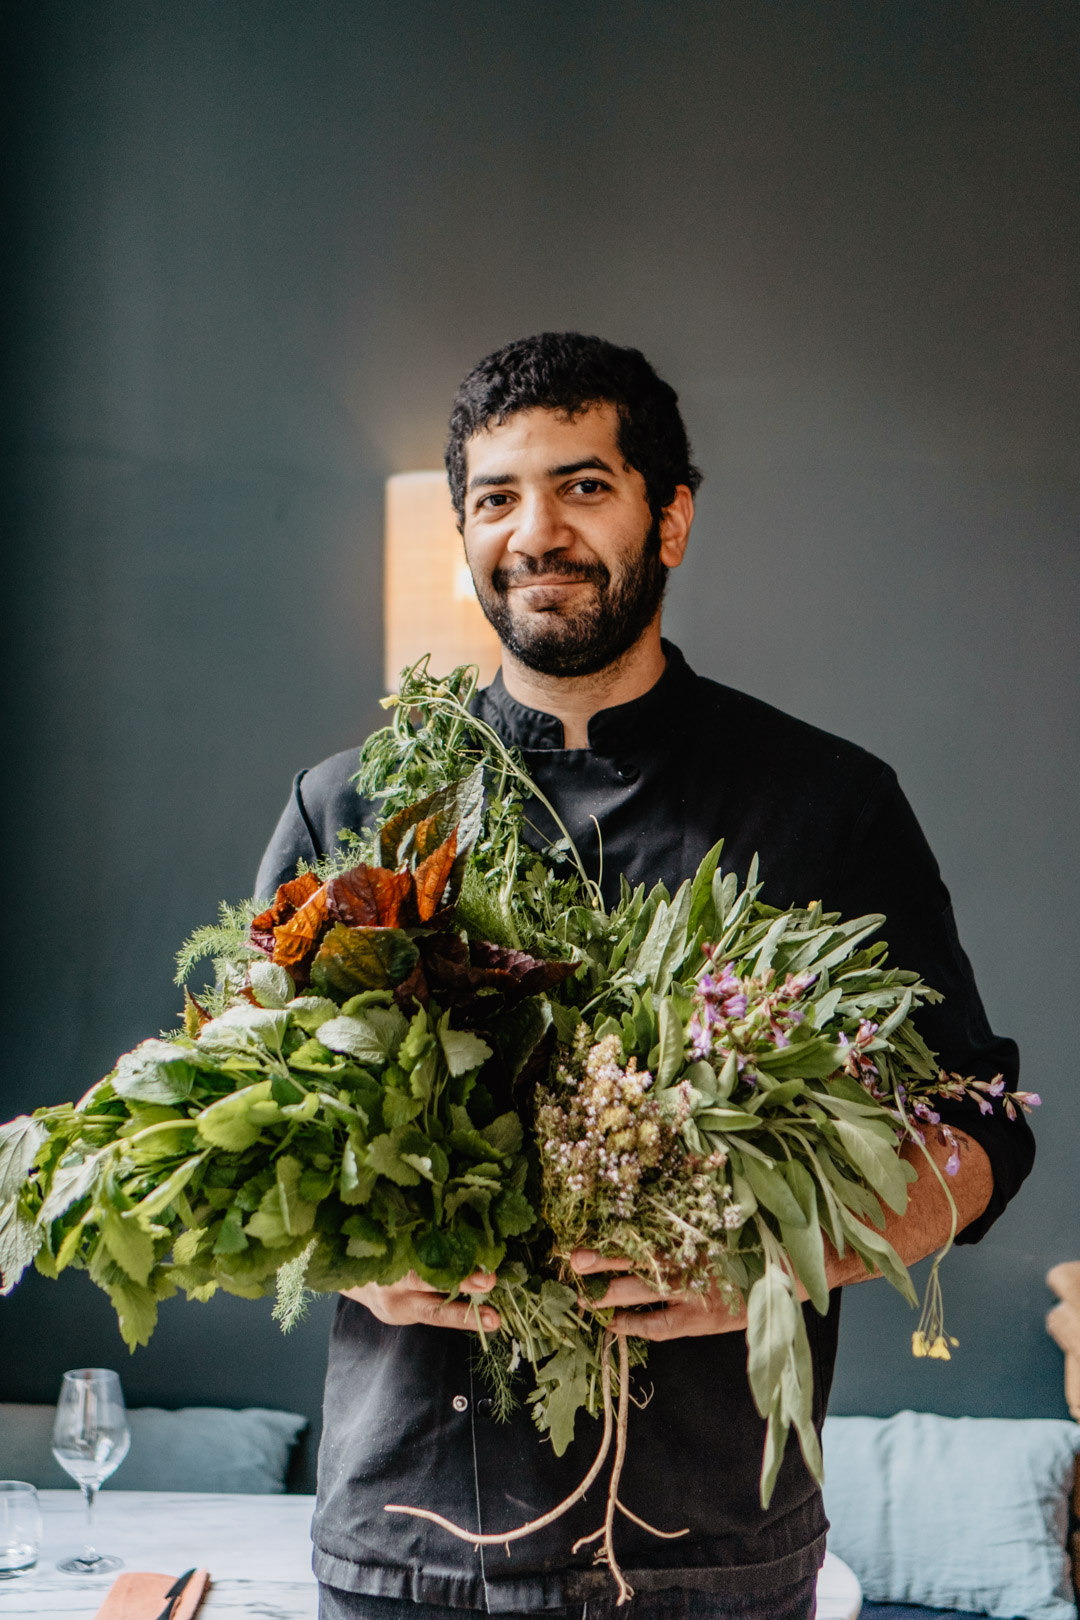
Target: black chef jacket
(406, 1419)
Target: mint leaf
(155, 1072)
(129, 1245)
(20, 1241)
(463, 1050)
(512, 1213)
(19, 1142)
(270, 984)
(504, 1134)
(383, 1156)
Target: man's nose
(539, 528)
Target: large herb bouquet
(439, 1052)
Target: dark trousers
(796, 1602)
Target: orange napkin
(141, 1596)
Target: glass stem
(90, 1554)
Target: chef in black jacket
(571, 473)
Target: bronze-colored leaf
(286, 902)
(370, 897)
(297, 940)
(432, 876)
(417, 830)
(354, 959)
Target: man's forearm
(927, 1221)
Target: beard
(585, 639)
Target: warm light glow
(429, 604)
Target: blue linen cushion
(955, 1513)
(198, 1448)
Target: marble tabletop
(256, 1548)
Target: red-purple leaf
(370, 897)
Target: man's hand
(412, 1301)
(922, 1228)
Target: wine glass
(90, 1439)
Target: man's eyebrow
(496, 480)
(580, 466)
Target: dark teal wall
(253, 245)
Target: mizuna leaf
(297, 939)
(353, 959)
(370, 897)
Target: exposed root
(665, 1535)
(504, 1537)
(605, 1553)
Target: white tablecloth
(256, 1549)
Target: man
(571, 474)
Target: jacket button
(627, 771)
(460, 1403)
(484, 1405)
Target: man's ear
(675, 523)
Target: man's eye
(590, 486)
(498, 498)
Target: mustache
(548, 567)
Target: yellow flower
(939, 1350)
(918, 1343)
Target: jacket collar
(611, 731)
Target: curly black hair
(568, 372)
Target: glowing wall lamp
(429, 603)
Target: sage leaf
(772, 1190)
(770, 1332)
(877, 1161)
